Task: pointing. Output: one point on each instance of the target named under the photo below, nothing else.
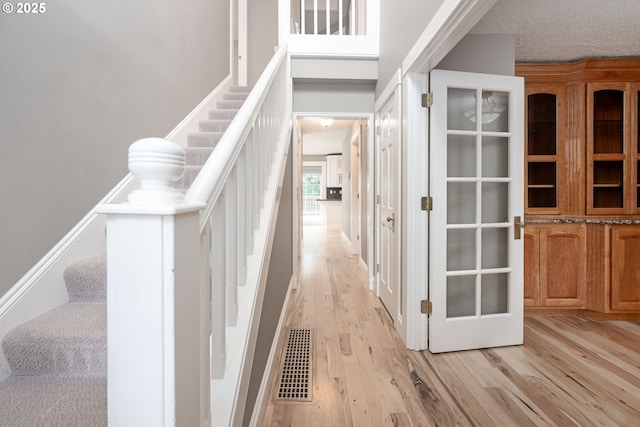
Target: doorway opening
(334, 185)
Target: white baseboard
(257, 416)
(346, 239)
(363, 265)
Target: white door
(476, 177)
(388, 198)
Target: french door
(476, 179)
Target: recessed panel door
(388, 196)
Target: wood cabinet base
(581, 269)
(586, 314)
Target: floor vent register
(295, 374)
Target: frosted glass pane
(461, 250)
(495, 294)
(459, 103)
(495, 111)
(495, 157)
(495, 245)
(461, 156)
(461, 296)
(461, 203)
(495, 207)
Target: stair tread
(240, 88)
(63, 322)
(229, 104)
(54, 401)
(215, 125)
(67, 340)
(86, 279)
(235, 96)
(223, 113)
(203, 139)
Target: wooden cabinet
(555, 266)
(582, 181)
(334, 170)
(625, 268)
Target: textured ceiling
(566, 30)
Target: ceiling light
(326, 122)
(491, 110)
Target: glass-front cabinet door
(476, 179)
(543, 143)
(612, 149)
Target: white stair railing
(186, 276)
(338, 17)
(330, 27)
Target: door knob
(391, 218)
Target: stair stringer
(43, 287)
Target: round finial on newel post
(157, 163)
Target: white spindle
(327, 15)
(205, 325)
(315, 17)
(242, 217)
(231, 257)
(218, 299)
(340, 24)
(352, 17)
(303, 17)
(251, 191)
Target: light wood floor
(569, 372)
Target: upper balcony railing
(330, 27)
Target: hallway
(569, 372)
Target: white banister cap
(157, 163)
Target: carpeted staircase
(59, 359)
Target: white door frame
(243, 43)
(393, 89)
(450, 24)
(415, 183)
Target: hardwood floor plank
(440, 407)
(512, 414)
(569, 371)
(357, 397)
(463, 384)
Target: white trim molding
(450, 24)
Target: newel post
(153, 303)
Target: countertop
(605, 221)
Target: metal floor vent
(295, 374)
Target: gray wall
(482, 53)
(279, 276)
(262, 37)
(78, 85)
(336, 97)
(401, 23)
